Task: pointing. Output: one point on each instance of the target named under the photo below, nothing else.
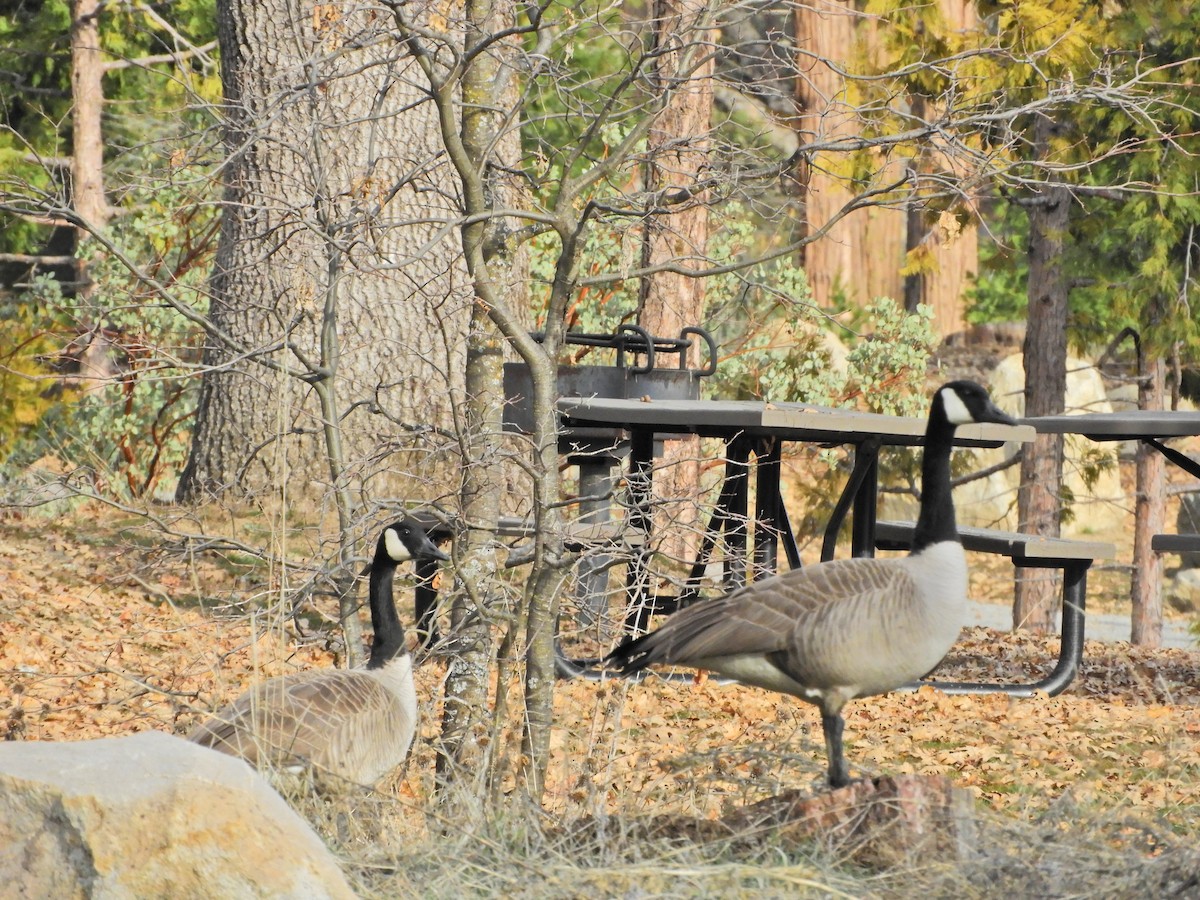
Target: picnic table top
(788, 421)
(1121, 426)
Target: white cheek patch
(395, 547)
(956, 410)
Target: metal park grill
(636, 371)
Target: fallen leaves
(1110, 738)
(82, 657)
(84, 654)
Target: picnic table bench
(1073, 556)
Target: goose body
(355, 724)
(842, 629)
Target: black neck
(389, 633)
(935, 523)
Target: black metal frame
(860, 497)
(1070, 654)
(1074, 605)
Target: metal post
(866, 504)
(596, 476)
(863, 480)
(767, 503)
(1070, 649)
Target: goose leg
(839, 773)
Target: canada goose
(355, 724)
(846, 628)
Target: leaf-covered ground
(92, 645)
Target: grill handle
(647, 343)
(711, 366)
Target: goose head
(965, 402)
(403, 540)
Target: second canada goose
(842, 629)
(356, 724)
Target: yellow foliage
(920, 260)
(27, 385)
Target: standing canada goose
(356, 724)
(845, 628)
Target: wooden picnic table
(1150, 426)
(760, 428)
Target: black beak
(429, 550)
(993, 413)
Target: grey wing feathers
(739, 623)
(323, 719)
(764, 617)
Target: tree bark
(87, 175)
(827, 33)
(861, 257)
(320, 116)
(487, 243)
(1149, 515)
(671, 301)
(1039, 498)
(488, 88)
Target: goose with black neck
(843, 629)
(354, 724)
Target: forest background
(263, 262)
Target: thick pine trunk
(671, 301)
(825, 34)
(861, 256)
(1039, 499)
(332, 188)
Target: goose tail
(632, 655)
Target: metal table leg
(595, 489)
(1071, 643)
(766, 508)
(862, 482)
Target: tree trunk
(462, 757)
(1039, 499)
(1149, 514)
(87, 176)
(488, 88)
(488, 241)
(544, 589)
(87, 97)
(861, 257)
(671, 301)
(823, 34)
(331, 154)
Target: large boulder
(151, 815)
